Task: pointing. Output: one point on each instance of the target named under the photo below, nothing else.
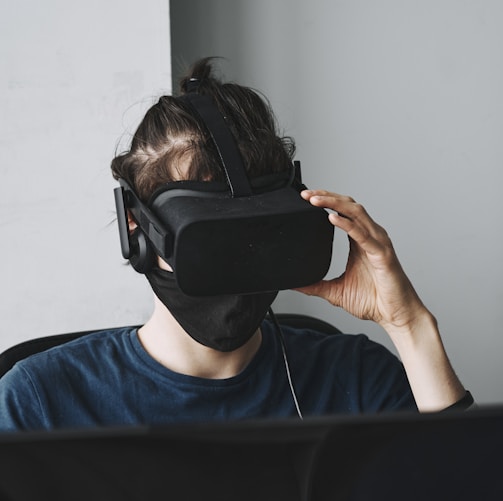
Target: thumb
(326, 289)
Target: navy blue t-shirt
(108, 379)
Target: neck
(166, 341)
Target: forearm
(432, 379)
(374, 287)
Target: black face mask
(223, 323)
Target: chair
(26, 348)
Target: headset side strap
(120, 206)
(160, 237)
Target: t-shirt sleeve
(20, 407)
(382, 381)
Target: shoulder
(346, 355)
(28, 389)
(356, 365)
(312, 340)
(90, 346)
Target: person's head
(171, 145)
(218, 258)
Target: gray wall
(75, 77)
(399, 104)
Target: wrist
(418, 323)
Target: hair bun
(198, 75)
(192, 84)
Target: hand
(374, 285)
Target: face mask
(223, 323)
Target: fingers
(343, 205)
(350, 217)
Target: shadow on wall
(192, 27)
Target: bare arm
(375, 287)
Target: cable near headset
(281, 338)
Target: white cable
(287, 365)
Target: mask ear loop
(279, 333)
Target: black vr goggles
(220, 238)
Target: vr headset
(239, 237)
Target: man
(214, 358)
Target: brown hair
(170, 144)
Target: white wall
(398, 103)
(75, 77)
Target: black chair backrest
(299, 321)
(26, 348)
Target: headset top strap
(224, 141)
